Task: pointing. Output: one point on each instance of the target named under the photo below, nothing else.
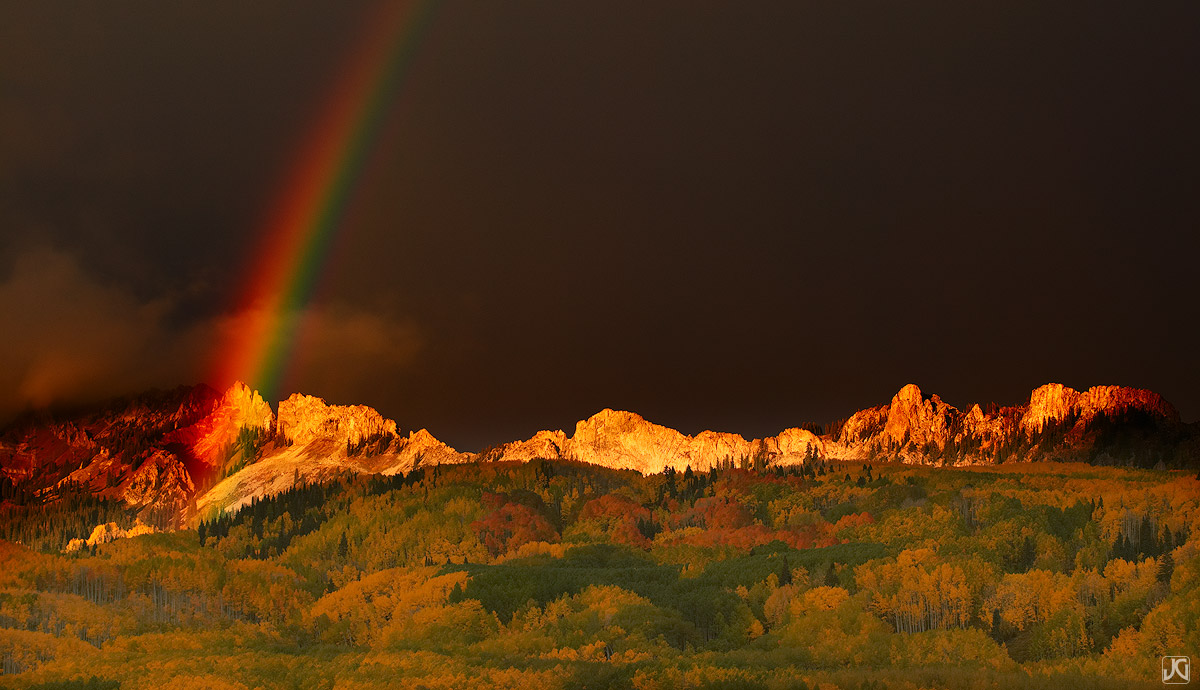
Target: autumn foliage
(509, 525)
(563, 575)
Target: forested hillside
(561, 574)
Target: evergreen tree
(1166, 567)
(831, 578)
(1146, 541)
(672, 489)
(785, 573)
(1028, 553)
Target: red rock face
(161, 478)
(209, 439)
(98, 448)
(124, 451)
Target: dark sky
(740, 216)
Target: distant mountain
(193, 451)
(1105, 424)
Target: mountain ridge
(190, 452)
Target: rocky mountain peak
(611, 421)
(795, 446)
(912, 418)
(908, 396)
(1117, 399)
(1058, 423)
(543, 444)
(1053, 403)
(246, 406)
(626, 440)
(240, 407)
(305, 418)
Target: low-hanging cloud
(337, 351)
(69, 338)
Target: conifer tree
(1166, 567)
(1028, 554)
(831, 578)
(1146, 540)
(785, 573)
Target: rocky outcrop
(239, 408)
(419, 449)
(304, 419)
(317, 441)
(1058, 423)
(107, 532)
(864, 424)
(1055, 403)
(989, 432)
(163, 452)
(160, 479)
(544, 444)
(625, 440)
(709, 449)
(913, 418)
(794, 446)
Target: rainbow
(303, 222)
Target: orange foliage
(618, 516)
(613, 506)
(854, 520)
(716, 513)
(511, 525)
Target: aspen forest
(564, 575)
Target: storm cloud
(720, 215)
(71, 339)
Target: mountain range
(195, 451)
